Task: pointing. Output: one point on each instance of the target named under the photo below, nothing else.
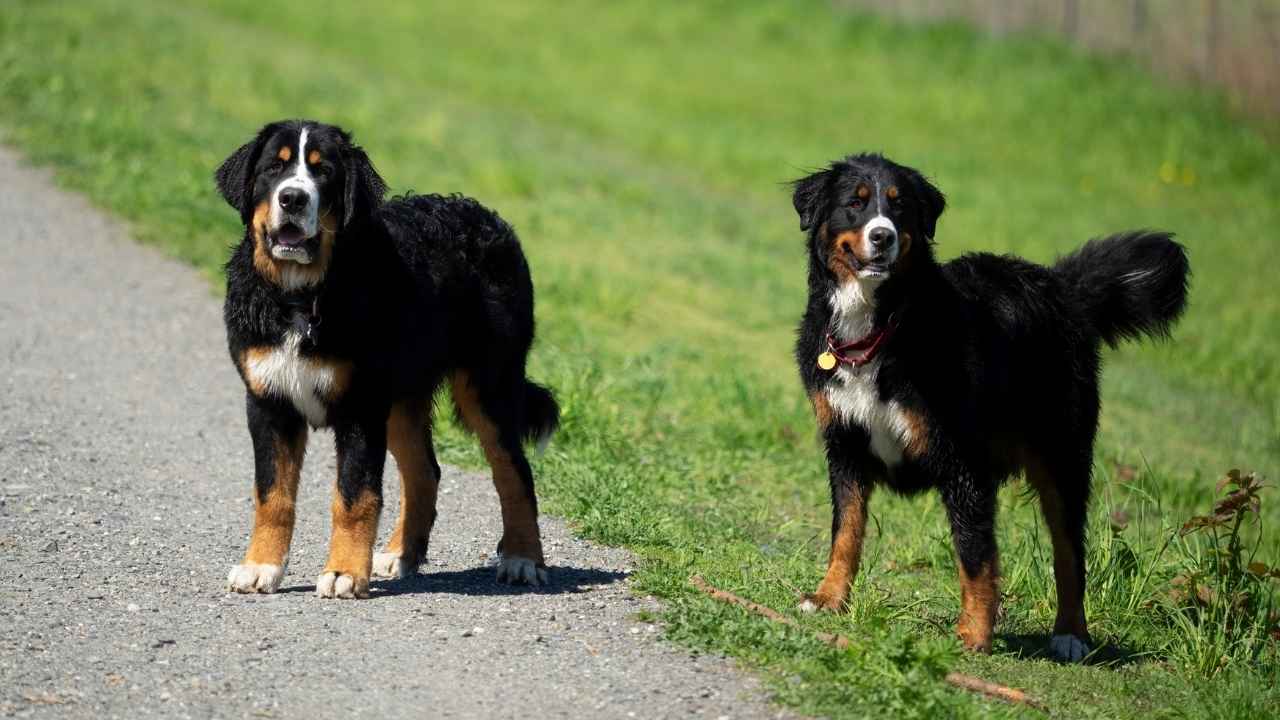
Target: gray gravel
(125, 475)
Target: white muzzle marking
(890, 254)
(308, 220)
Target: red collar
(870, 345)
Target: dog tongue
(289, 235)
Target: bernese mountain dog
(349, 312)
(959, 375)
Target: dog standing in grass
(347, 312)
(957, 376)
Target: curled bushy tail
(1130, 284)
(541, 414)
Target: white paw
(340, 585)
(254, 578)
(389, 565)
(807, 606)
(1069, 648)
(516, 570)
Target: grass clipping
(960, 680)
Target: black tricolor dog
(957, 376)
(347, 312)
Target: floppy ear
(810, 197)
(364, 186)
(234, 177)
(933, 202)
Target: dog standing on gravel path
(956, 376)
(347, 312)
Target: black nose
(293, 199)
(881, 237)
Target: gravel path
(125, 473)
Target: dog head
(297, 185)
(867, 217)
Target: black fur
(1130, 285)
(995, 358)
(417, 290)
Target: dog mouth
(289, 235)
(290, 242)
(873, 267)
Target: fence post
(1211, 30)
(1139, 17)
(1070, 17)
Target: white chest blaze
(853, 394)
(855, 400)
(284, 373)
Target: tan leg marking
(822, 411)
(979, 603)
(273, 518)
(408, 436)
(1071, 618)
(355, 527)
(520, 535)
(274, 515)
(846, 556)
(918, 434)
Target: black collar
(303, 310)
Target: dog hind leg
(409, 440)
(493, 422)
(1063, 488)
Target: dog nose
(881, 237)
(293, 199)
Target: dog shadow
(482, 581)
(1035, 646)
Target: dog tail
(541, 415)
(1131, 284)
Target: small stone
(635, 631)
(50, 547)
(133, 607)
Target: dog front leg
(357, 502)
(850, 491)
(279, 443)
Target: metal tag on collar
(313, 322)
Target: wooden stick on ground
(960, 680)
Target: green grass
(639, 149)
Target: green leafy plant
(1224, 599)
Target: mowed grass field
(640, 150)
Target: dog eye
(275, 166)
(856, 204)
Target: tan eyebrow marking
(892, 192)
(313, 157)
(285, 153)
(864, 192)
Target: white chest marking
(856, 401)
(282, 372)
(852, 393)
